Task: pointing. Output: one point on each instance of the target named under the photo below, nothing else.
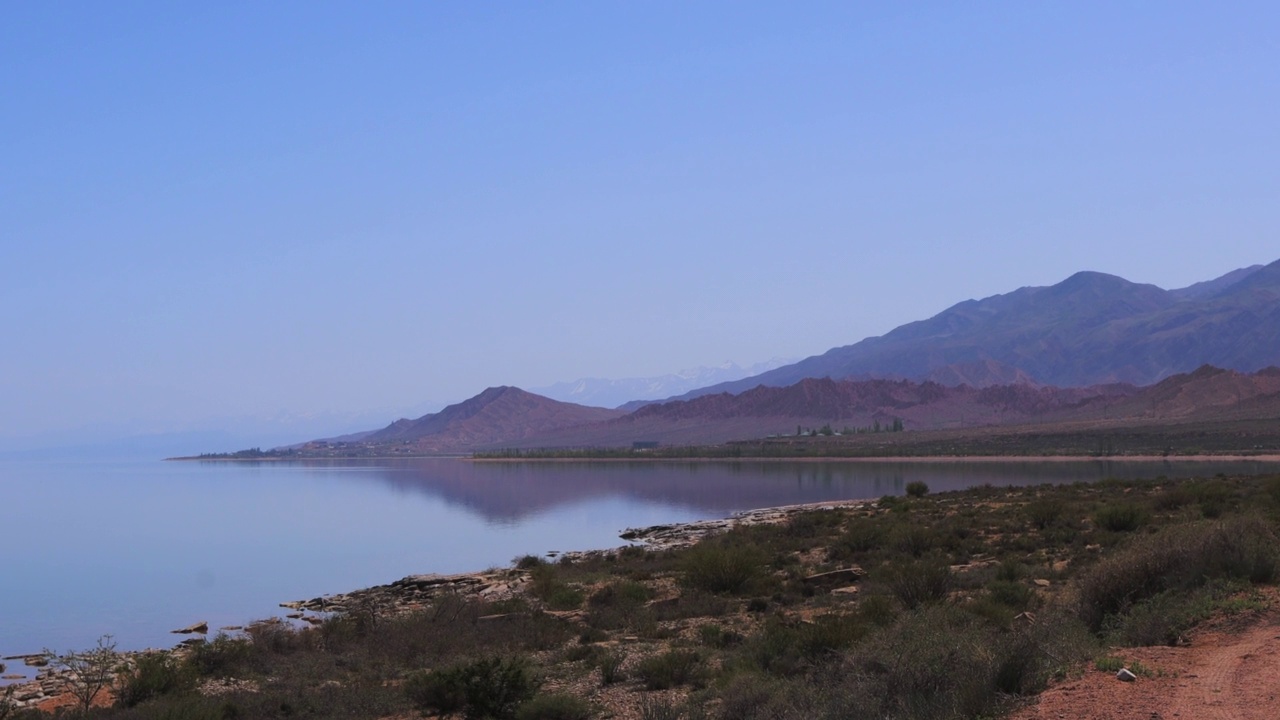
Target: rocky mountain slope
(1090, 329)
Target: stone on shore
(200, 628)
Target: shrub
(1124, 517)
(1182, 557)
(917, 489)
(557, 706)
(671, 668)
(914, 539)
(487, 688)
(219, 657)
(1011, 593)
(610, 664)
(529, 562)
(920, 582)
(152, 675)
(862, 535)
(548, 587)
(943, 664)
(717, 637)
(1046, 512)
(624, 593)
(722, 568)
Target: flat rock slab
(832, 577)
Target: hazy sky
(214, 210)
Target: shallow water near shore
(137, 548)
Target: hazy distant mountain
(1090, 329)
(601, 392)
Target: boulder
(1125, 675)
(199, 628)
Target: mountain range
(1089, 329)
(1092, 347)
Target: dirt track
(1230, 670)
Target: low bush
(860, 536)
(1181, 557)
(918, 582)
(548, 587)
(1122, 517)
(1011, 593)
(152, 676)
(610, 664)
(721, 567)
(1046, 512)
(487, 688)
(917, 489)
(221, 657)
(672, 668)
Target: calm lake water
(136, 549)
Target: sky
(235, 213)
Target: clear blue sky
(240, 209)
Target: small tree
(88, 672)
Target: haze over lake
(137, 548)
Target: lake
(138, 548)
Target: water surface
(136, 549)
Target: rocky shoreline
(49, 689)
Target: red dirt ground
(1230, 669)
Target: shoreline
(44, 691)
(924, 459)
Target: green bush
(610, 664)
(917, 489)
(914, 539)
(548, 587)
(152, 675)
(862, 535)
(220, 657)
(722, 567)
(1046, 512)
(557, 706)
(487, 688)
(1181, 557)
(672, 668)
(1123, 517)
(918, 582)
(1011, 593)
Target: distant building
(644, 444)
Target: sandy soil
(1230, 670)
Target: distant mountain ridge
(1090, 329)
(507, 417)
(1092, 348)
(601, 392)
